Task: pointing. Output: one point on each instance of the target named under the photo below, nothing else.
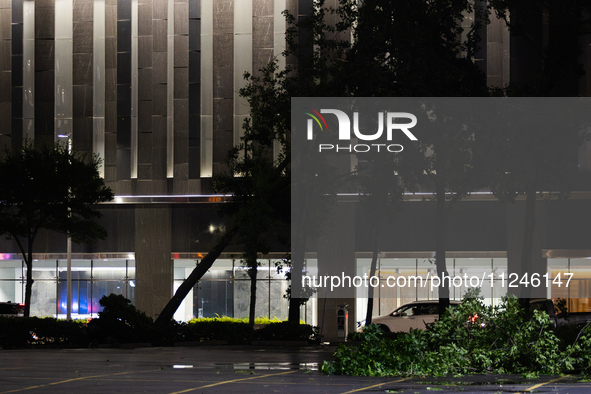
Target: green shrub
(120, 322)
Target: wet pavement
(224, 369)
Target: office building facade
(151, 86)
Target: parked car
(418, 314)
(412, 315)
(12, 309)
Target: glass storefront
(389, 298)
(225, 291)
(405, 270)
(91, 280)
(578, 290)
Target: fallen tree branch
(198, 272)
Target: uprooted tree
(239, 208)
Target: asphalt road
(225, 369)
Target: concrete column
(336, 256)
(152, 258)
(498, 54)
(515, 228)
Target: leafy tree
(534, 150)
(381, 198)
(44, 187)
(320, 48)
(415, 49)
(537, 154)
(444, 160)
(269, 92)
(254, 208)
(258, 182)
(253, 160)
(550, 32)
(398, 49)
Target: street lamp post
(69, 253)
(68, 249)
(69, 278)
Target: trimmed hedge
(214, 330)
(287, 331)
(121, 323)
(237, 331)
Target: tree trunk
(440, 244)
(28, 257)
(252, 272)
(297, 259)
(29, 284)
(297, 265)
(200, 270)
(528, 238)
(372, 273)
